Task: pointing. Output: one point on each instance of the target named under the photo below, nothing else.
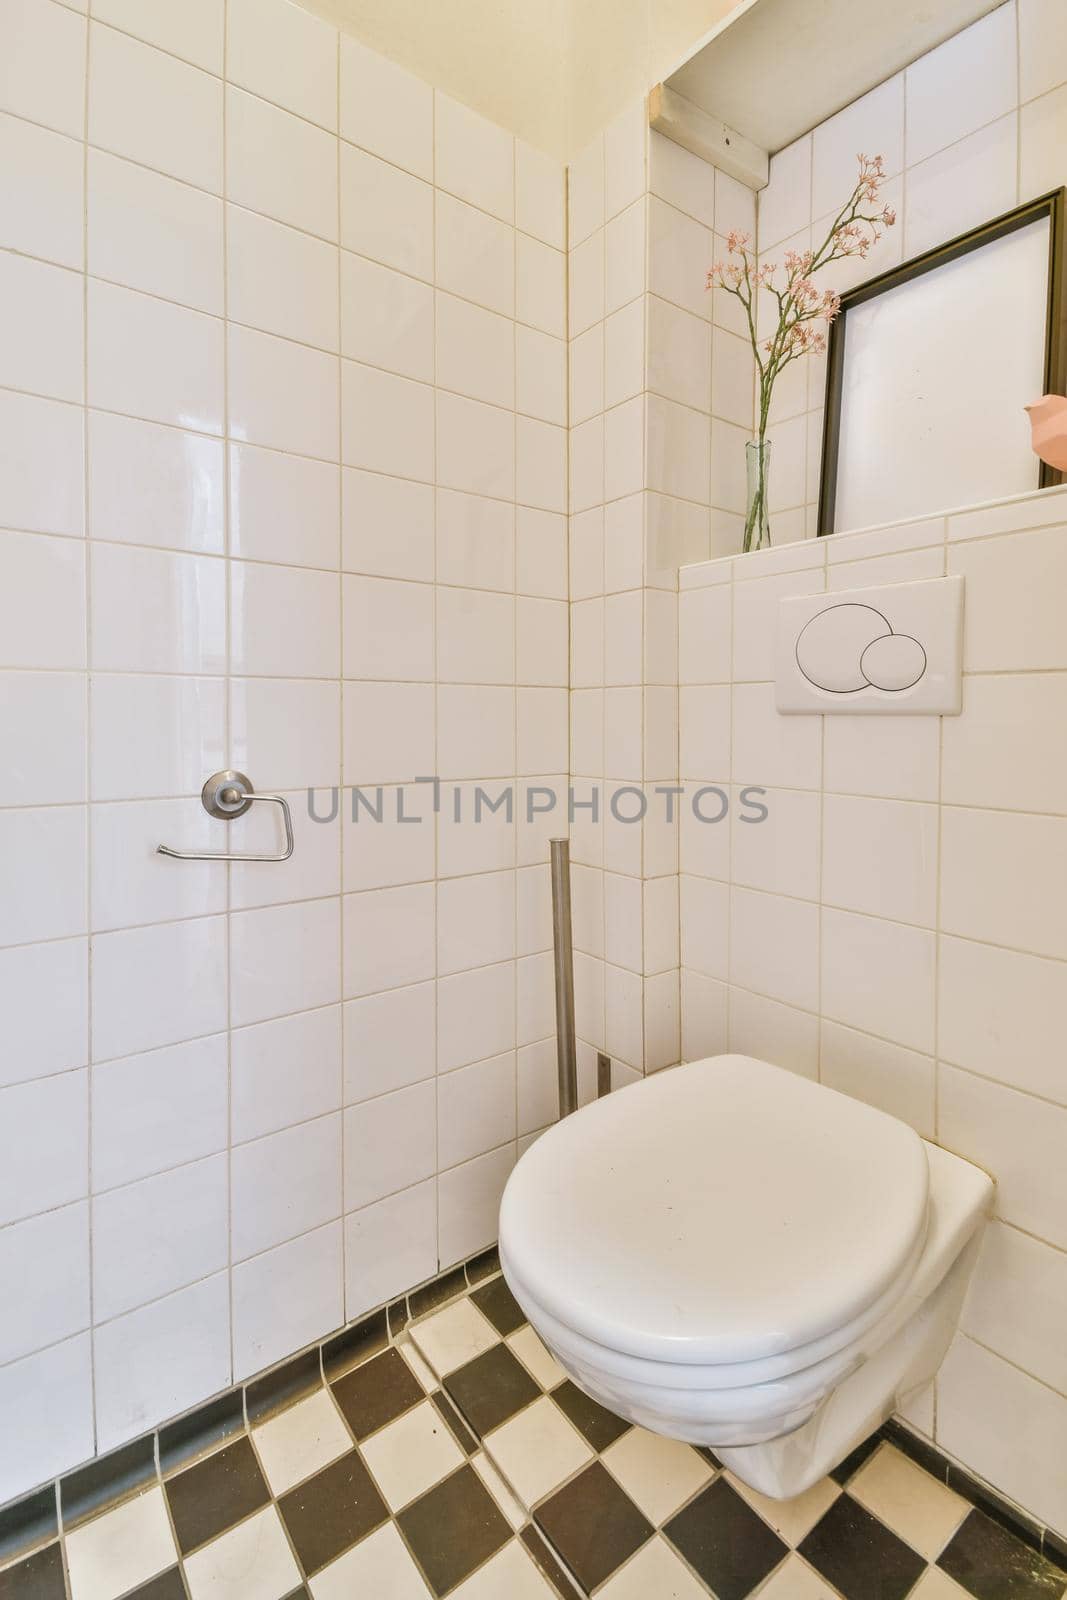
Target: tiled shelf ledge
(1042, 508)
(35, 1519)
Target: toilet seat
(726, 1215)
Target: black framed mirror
(930, 365)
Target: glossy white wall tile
(42, 193)
(42, 465)
(43, 72)
(155, 485)
(195, 33)
(913, 953)
(386, 110)
(146, 105)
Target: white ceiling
(775, 68)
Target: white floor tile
(454, 1336)
(411, 1455)
(656, 1570)
(795, 1580)
(512, 1573)
(537, 1450)
(253, 1559)
(124, 1547)
(379, 1565)
(924, 1512)
(795, 1518)
(300, 1441)
(535, 1358)
(658, 1474)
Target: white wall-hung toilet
(730, 1254)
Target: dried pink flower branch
(804, 312)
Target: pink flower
(737, 241)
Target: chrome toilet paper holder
(227, 795)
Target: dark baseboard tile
(986, 1499)
(398, 1317)
(199, 1431)
(1055, 1548)
(921, 1450)
(487, 1265)
(34, 1519)
(283, 1385)
(108, 1479)
(29, 1522)
(436, 1293)
(357, 1344)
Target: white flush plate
(894, 649)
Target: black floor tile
(859, 1555)
(377, 1392)
(453, 1529)
(189, 1437)
(491, 1388)
(40, 1577)
(332, 1511)
(454, 1422)
(549, 1563)
(282, 1387)
(593, 1525)
(593, 1421)
(222, 1489)
(108, 1478)
(168, 1586)
(991, 1564)
(496, 1301)
(855, 1459)
(724, 1540)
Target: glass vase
(757, 522)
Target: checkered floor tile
(462, 1462)
(632, 1515)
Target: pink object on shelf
(1048, 429)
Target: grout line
(89, 727)
(341, 587)
(227, 729)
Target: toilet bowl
(732, 1255)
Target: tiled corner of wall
(894, 926)
(283, 487)
(660, 393)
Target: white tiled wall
(282, 486)
(968, 131)
(896, 927)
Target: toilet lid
(718, 1212)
